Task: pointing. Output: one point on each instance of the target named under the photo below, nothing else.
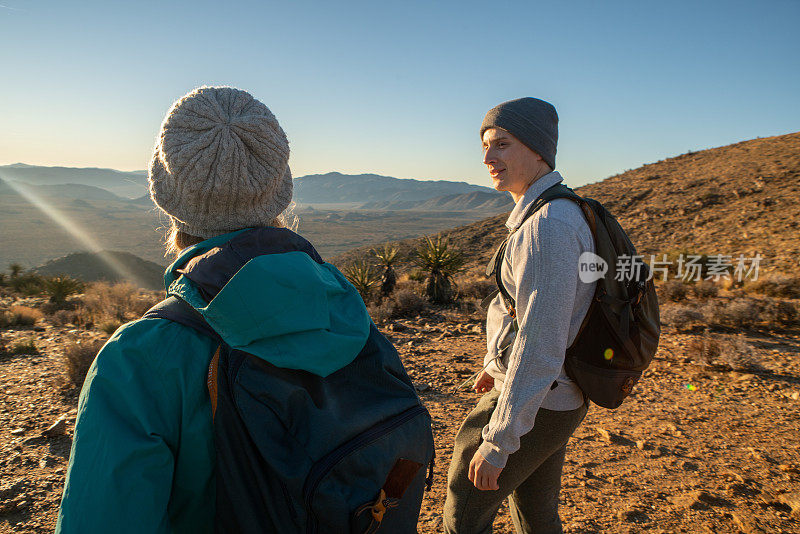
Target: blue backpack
(296, 452)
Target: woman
(144, 457)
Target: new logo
(591, 267)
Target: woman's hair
(176, 240)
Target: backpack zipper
(329, 461)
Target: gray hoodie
(540, 270)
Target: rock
(642, 445)
(17, 431)
(793, 501)
(687, 466)
(633, 515)
(795, 395)
(57, 428)
(12, 491)
(420, 386)
(695, 500)
(605, 435)
(746, 524)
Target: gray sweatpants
(532, 476)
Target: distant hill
(742, 198)
(483, 201)
(74, 191)
(335, 187)
(110, 266)
(125, 184)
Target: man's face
(511, 164)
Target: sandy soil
(694, 450)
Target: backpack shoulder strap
(558, 190)
(179, 311)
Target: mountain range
(48, 212)
(742, 198)
(361, 191)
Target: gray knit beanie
(532, 121)
(221, 163)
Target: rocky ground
(696, 448)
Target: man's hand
(484, 382)
(483, 474)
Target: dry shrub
(476, 288)
(471, 306)
(24, 346)
(380, 313)
(402, 303)
(705, 289)
(737, 313)
(64, 317)
(776, 285)
(782, 312)
(103, 302)
(683, 318)
(109, 327)
(19, 316)
(731, 353)
(673, 290)
(78, 357)
(29, 284)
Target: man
(513, 442)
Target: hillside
(742, 198)
(110, 266)
(126, 184)
(335, 187)
(486, 201)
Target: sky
(400, 88)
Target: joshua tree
(387, 257)
(441, 262)
(363, 277)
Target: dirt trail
(694, 450)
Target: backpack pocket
(346, 478)
(604, 386)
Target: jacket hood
(267, 292)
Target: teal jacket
(143, 455)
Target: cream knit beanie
(221, 163)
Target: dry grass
(19, 316)
(705, 289)
(741, 312)
(475, 287)
(103, 303)
(64, 317)
(78, 357)
(24, 346)
(404, 302)
(776, 285)
(683, 318)
(109, 327)
(725, 352)
(674, 290)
